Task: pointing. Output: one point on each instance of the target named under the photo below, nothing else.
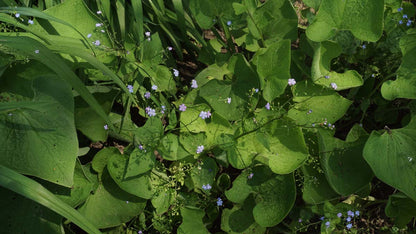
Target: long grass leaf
(33, 190)
(138, 16)
(121, 16)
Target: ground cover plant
(196, 116)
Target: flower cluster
(199, 149)
(205, 114)
(150, 112)
(206, 187)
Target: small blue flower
(182, 107)
(219, 202)
(267, 106)
(326, 77)
(349, 226)
(199, 150)
(89, 35)
(17, 15)
(350, 213)
(363, 46)
(154, 87)
(98, 25)
(170, 48)
(250, 176)
(322, 218)
(36, 51)
(327, 224)
(291, 82)
(130, 88)
(99, 12)
(334, 86)
(348, 219)
(147, 34)
(229, 23)
(140, 232)
(256, 90)
(97, 42)
(147, 95)
(399, 9)
(205, 114)
(229, 100)
(404, 16)
(300, 220)
(309, 112)
(106, 127)
(150, 112)
(357, 213)
(30, 21)
(409, 22)
(339, 215)
(313, 125)
(206, 187)
(400, 21)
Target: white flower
(17, 15)
(291, 81)
(229, 100)
(99, 12)
(205, 114)
(194, 85)
(199, 149)
(36, 51)
(154, 87)
(175, 72)
(89, 35)
(98, 24)
(30, 21)
(170, 48)
(147, 34)
(334, 86)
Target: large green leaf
(321, 68)
(140, 161)
(39, 141)
(275, 19)
(285, 146)
(316, 188)
(76, 13)
(31, 189)
(273, 66)
(171, 149)
(364, 18)
(315, 104)
(22, 215)
(150, 133)
(343, 163)
(401, 208)
(240, 219)
(205, 12)
(138, 185)
(405, 84)
(274, 194)
(110, 206)
(192, 221)
(204, 174)
(391, 155)
(87, 120)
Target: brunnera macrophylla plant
(211, 116)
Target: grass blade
(33, 190)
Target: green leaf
(324, 103)
(401, 208)
(110, 206)
(213, 71)
(192, 221)
(404, 86)
(139, 185)
(99, 162)
(190, 120)
(313, 3)
(31, 189)
(273, 66)
(140, 161)
(240, 219)
(171, 149)
(163, 200)
(85, 182)
(321, 68)
(316, 188)
(35, 136)
(275, 19)
(364, 18)
(150, 133)
(88, 121)
(22, 215)
(391, 156)
(274, 194)
(191, 141)
(205, 173)
(343, 162)
(241, 154)
(287, 149)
